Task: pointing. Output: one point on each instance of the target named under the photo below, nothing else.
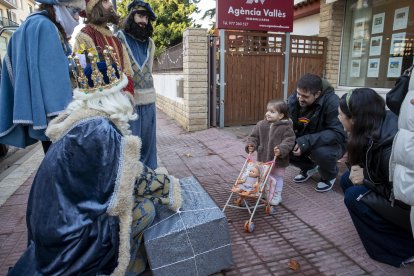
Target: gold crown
(96, 76)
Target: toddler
(273, 136)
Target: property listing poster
(375, 46)
(378, 23)
(400, 18)
(355, 68)
(397, 44)
(394, 67)
(373, 68)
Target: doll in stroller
(249, 184)
(252, 184)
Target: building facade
(12, 14)
(370, 42)
(24, 8)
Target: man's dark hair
(99, 15)
(135, 30)
(310, 83)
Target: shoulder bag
(396, 95)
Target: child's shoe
(277, 198)
(272, 210)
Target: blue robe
(86, 211)
(35, 82)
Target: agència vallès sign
(260, 15)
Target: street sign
(258, 15)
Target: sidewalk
(312, 228)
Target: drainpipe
(287, 56)
(222, 83)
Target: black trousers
(326, 157)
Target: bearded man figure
(136, 36)
(97, 35)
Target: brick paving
(312, 228)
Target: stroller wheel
(248, 227)
(239, 202)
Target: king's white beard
(118, 106)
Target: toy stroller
(252, 184)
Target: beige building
(24, 8)
(12, 14)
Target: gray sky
(203, 6)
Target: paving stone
(312, 228)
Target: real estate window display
(377, 42)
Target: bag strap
(408, 71)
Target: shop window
(377, 43)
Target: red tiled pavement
(312, 228)
(13, 234)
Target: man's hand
(296, 150)
(412, 101)
(356, 175)
(250, 148)
(277, 151)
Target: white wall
(306, 25)
(166, 85)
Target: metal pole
(287, 56)
(212, 89)
(213, 72)
(222, 83)
(209, 95)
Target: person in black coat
(382, 223)
(320, 137)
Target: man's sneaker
(325, 185)
(305, 175)
(407, 262)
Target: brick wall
(331, 23)
(191, 111)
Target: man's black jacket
(324, 127)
